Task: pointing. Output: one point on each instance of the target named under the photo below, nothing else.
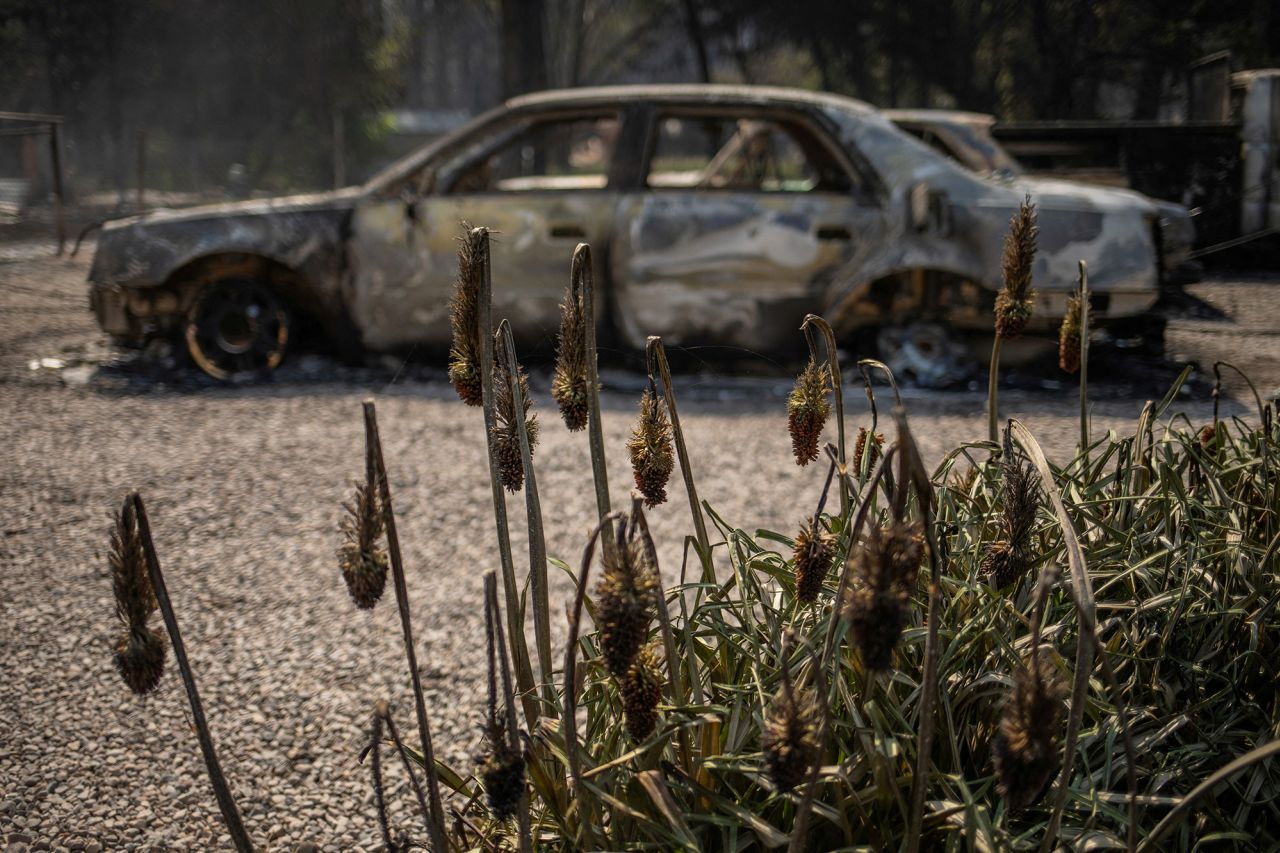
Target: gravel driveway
(244, 487)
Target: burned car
(967, 138)
(719, 215)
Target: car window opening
(555, 154)
(743, 155)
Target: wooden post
(56, 152)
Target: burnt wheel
(237, 328)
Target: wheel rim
(924, 351)
(237, 327)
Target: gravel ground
(244, 487)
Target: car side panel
(404, 266)
(729, 268)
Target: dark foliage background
(262, 84)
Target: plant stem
(913, 471)
(406, 626)
(533, 511)
(568, 718)
(675, 688)
(993, 391)
(582, 281)
(800, 828)
(837, 389)
(874, 477)
(408, 767)
(695, 507)
(508, 697)
(1086, 610)
(515, 624)
(221, 790)
(1084, 365)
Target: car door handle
(833, 232)
(567, 232)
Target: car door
(540, 182)
(741, 215)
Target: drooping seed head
(140, 649)
(1009, 558)
(361, 557)
(1025, 751)
(1016, 299)
(641, 693)
(1069, 335)
(863, 446)
(789, 740)
(962, 481)
(1003, 564)
(505, 435)
(130, 579)
(502, 774)
(464, 320)
(812, 557)
(807, 411)
(139, 658)
(885, 571)
(569, 385)
(1209, 437)
(651, 449)
(626, 598)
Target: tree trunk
(524, 65)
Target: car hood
(342, 199)
(1055, 194)
(145, 250)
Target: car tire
(237, 329)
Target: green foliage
(1182, 544)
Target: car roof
(599, 96)
(926, 116)
(691, 93)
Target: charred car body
(719, 215)
(967, 138)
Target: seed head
(963, 482)
(790, 738)
(814, 551)
(1209, 437)
(625, 601)
(1016, 299)
(807, 411)
(140, 649)
(1004, 564)
(1069, 335)
(464, 319)
(1009, 558)
(652, 453)
(641, 693)
(361, 557)
(569, 384)
(139, 658)
(863, 446)
(130, 580)
(1025, 749)
(502, 773)
(885, 572)
(506, 436)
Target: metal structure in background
(1222, 160)
(37, 124)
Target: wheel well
(913, 294)
(286, 283)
